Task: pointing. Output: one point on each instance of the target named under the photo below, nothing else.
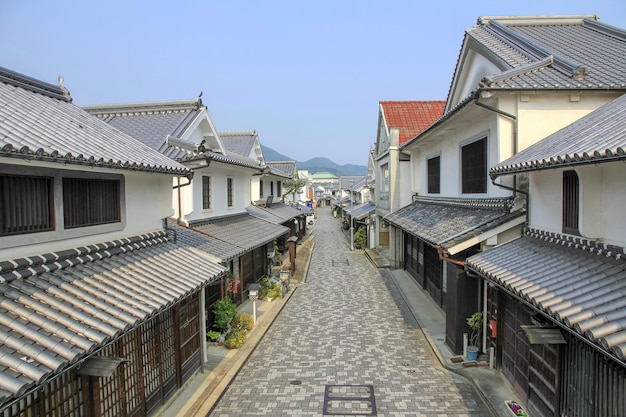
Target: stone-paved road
(346, 325)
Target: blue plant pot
(472, 353)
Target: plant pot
(520, 413)
(472, 353)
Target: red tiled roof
(411, 117)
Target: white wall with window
(76, 207)
(220, 180)
(473, 144)
(601, 201)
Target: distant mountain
(318, 164)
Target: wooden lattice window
(88, 202)
(206, 193)
(189, 328)
(570, 202)
(474, 167)
(230, 192)
(63, 396)
(434, 175)
(26, 204)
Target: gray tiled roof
(448, 222)
(57, 308)
(597, 137)
(571, 52)
(277, 213)
(288, 168)
(347, 182)
(228, 237)
(579, 283)
(154, 123)
(37, 123)
(361, 211)
(240, 142)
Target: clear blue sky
(306, 75)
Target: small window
(570, 202)
(434, 175)
(229, 192)
(474, 167)
(261, 189)
(271, 187)
(89, 202)
(279, 189)
(385, 177)
(26, 204)
(206, 193)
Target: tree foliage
(292, 186)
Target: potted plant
(224, 310)
(264, 287)
(274, 292)
(475, 322)
(235, 338)
(212, 335)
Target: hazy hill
(318, 164)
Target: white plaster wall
(542, 115)
(546, 188)
(404, 191)
(602, 201)
(148, 201)
(474, 68)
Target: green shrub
(235, 338)
(213, 335)
(274, 291)
(242, 321)
(360, 238)
(224, 310)
(264, 287)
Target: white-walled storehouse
(517, 80)
(91, 284)
(556, 294)
(210, 209)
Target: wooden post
(292, 253)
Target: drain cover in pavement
(349, 400)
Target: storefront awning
(361, 211)
(456, 224)
(578, 283)
(228, 237)
(540, 335)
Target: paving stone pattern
(345, 326)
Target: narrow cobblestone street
(344, 344)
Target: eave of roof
(598, 137)
(278, 213)
(572, 280)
